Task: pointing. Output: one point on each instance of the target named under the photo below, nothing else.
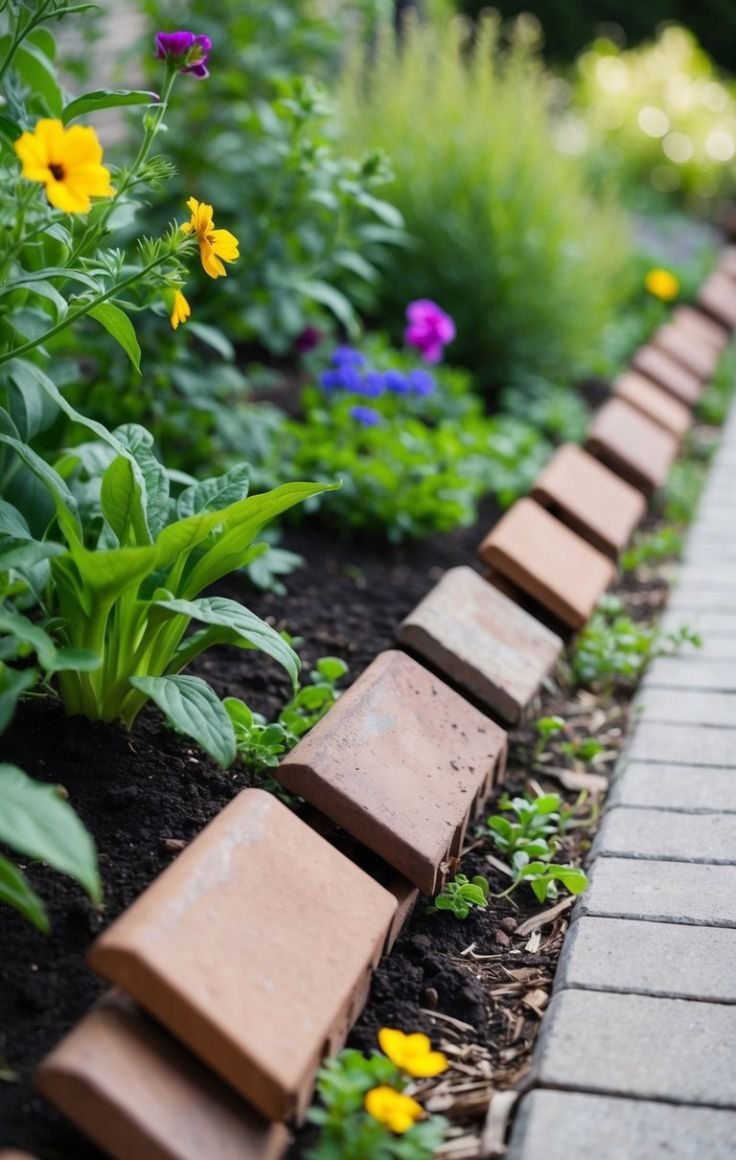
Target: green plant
(682, 491)
(715, 402)
(461, 895)
(665, 543)
(536, 820)
(546, 728)
(543, 877)
(584, 749)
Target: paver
(693, 673)
(717, 297)
(254, 948)
(706, 328)
(704, 621)
(654, 402)
(649, 958)
(701, 745)
(667, 834)
(691, 788)
(636, 1045)
(689, 706)
(547, 561)
(693, 596)
(402, 762)
(137, 1093)
(697, 354)
(482, 641)
(559, 1125)
(689, 892)
(664, 370)
(590, 499)
(633, 446)
(696, 578)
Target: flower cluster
(350, 372)
(429, 329)
(414, 1057)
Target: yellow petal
(49, 132)
(425, 1065)
(226, 244)
(392, 1044)
(81, 146)
(95, 179)
(67, 197)
(181, 309)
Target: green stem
(20, 36)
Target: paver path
(637, 1055)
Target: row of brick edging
(148, 953)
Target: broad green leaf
(195, 710)
(105, 99)
(249, 628)
(49, 293)
(16, 892)
(139, 443)
(239, 713)
(331, 668)
(118, 326)
(32, 64)
(26, 553)
(30, 408)
(14, 624)
(9, 129)
(12, 522)
(216, 493)
(111, 572)
(76, 659)
(66, 506)
(37, 821)
(335, 302)
(120, 497)
(13, 684)
(29, 278)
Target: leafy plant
(682, 491)
(584, 749)
(665, 543)
(546, 728)
(543, 877)
(536, 819)
(715, 402)
(461, 895)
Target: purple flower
(429, 329)
(309, 338)
(397, 382)
(366, 416)
(373, 385)
(421, 383)
(347, 356)
(184, 51)
(341, 378)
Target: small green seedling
(543, 877)
(584, 749)
(536, 819)
(461, 895)
(651, 548)
(546, 728)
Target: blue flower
(421, 383)
(342, 378)
(373, 385)
(366, 416)
(397, 382)
(343, 356)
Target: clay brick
(252, 947)
(479, 638)
(717, 297)
(547, 561)
(707, 330)
(13, 1154)
(136, 1092)
(402, 762)
(655, 403)
(696, 354)
(667, 373)
(590, 499)
(633, 446)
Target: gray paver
(690, 707)
(695, 577)
(690, 892)
(691, 788)
(702, 620)
(688, 744)
(667, 834)
(650, 958)
(559, 1125)
(690, 673)
(694, 596)
(636, 1045)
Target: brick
(706, 328)
(654, 403)
(692, 745)
(636, 1045)
(691, 892)
(717, 298)
(482, 641)
(666, 834)
(692, 673)
(547, 561)
(561, 1125)
(664, 370)
(254, 948)
(696, 354)
(136, 1092)
(633, 446)
(689, 707)
(402, 763)
(590, 499)
(649, 958)
(692, 788)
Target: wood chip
(546, 916)
(495, 1129)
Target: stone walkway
(637, 1056)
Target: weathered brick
(692, 788)
(688, 706)
(549, 562)
(690, 892)
(653, 402)
(664, 370)
(698, 355)
(717, 298)
(402, 762)
(590, 499)
(137, 1093)
(649, 958)
(252, 948)
(667, 834)
(636, 1045)
(633, 446)
(482, 641)
(561, 1125)
(706, 328)
(693, 745)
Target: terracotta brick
(13, 1154)
(707, 330)
(590, 499)
(667, 373)
(133, 1090)
(633, 446)
(717, 297)
(698, 355)
(482, 641)
(546, 560)
(251, 948)
(401, 762)
(655, 403)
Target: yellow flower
(213, 244)
(392, 1109)
(68, 162)
(662, 284)
(411, 1053)
(180, 310)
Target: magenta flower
(184, 51)
(308, 339)
(429, 329)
